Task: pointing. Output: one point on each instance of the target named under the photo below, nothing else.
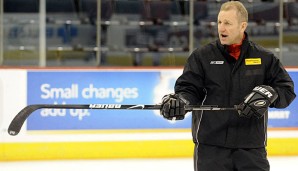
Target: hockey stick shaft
(18, 121)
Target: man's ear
(243, 26)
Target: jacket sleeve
(280, 80)
(190, 83)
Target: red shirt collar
(235, 49)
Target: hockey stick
(18, 121)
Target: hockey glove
(257, 102)
(172, 107)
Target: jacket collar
(225, 53)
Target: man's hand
(257, 102)
(172, 107)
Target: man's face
(230, 29)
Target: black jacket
(212, 77)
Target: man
(230, 71)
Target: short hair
(238, 6)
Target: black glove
(257, 102)
(172, 107)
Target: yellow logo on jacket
(253, 61)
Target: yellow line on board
(282, 146)
(92, 150)
(123, 149)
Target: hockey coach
(230, 71)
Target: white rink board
(13, 90)
(13, 93)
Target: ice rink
(184, 164)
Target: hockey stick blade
(18, 121)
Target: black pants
(214, 158)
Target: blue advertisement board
(104, 87)
(115, 87)
(287, 117)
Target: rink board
(82, 134)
